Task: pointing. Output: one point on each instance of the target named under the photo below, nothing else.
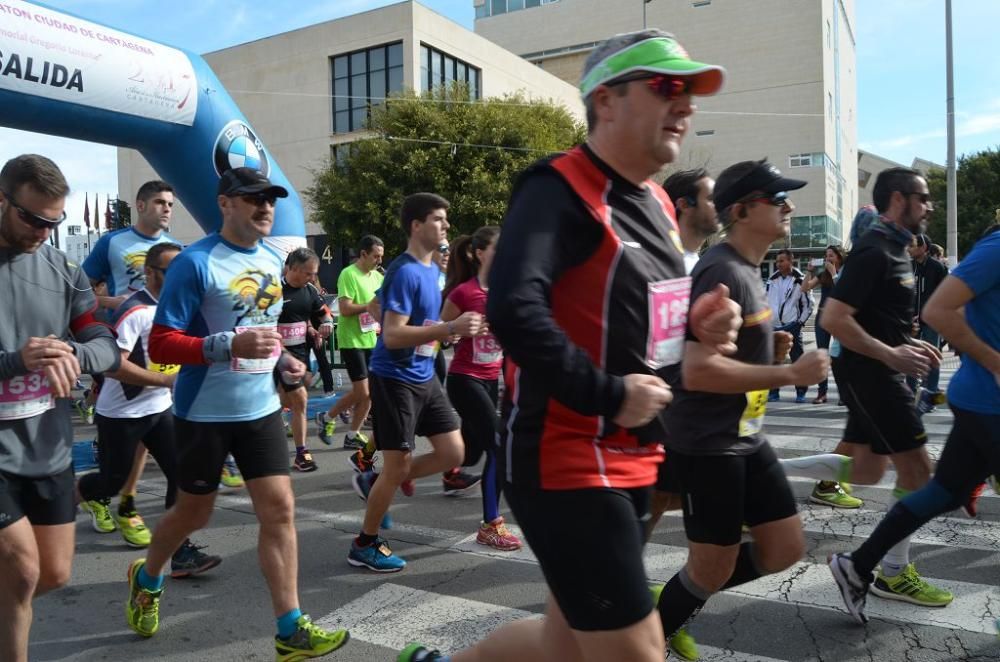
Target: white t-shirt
(134, 320)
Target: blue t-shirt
(410, 288)
(119, 257)
(974, 387)
(211, 287)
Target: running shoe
(355, 443)
(376, 556)
(853, 588)
(189, 560)
(345, 416)
(458, 482)
(773, 397)
(231, 474)
(971, 505)
(327, 427)
(133, 529)
(359, 463)
(847, 487)
(85, 411)
(832, 494)
(100, 514)
(909, 586)
(800, 399)
(304, 462)
(683, 645)
(408, 488)
(820, 399)
(418, 653)
(362, 484)
(143, 607)
(495, 534)
(329, 394)
(309, 640)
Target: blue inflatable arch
(66, 76)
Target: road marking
(445, 622)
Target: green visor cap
(659, 55)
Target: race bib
(25, 396)
(163, 368)
(752, 420)
(668, 310)
(256, 365)
(486, 350)
(367, 321)
(428, 348)
(292, 333)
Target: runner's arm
(130, 373)
(943, 312)
(349, 309)
(129, 330)
(838, 320)
(547, 231)
(706, 370)
(93, 343)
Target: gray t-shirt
(701, 423)
(44, 294)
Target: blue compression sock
(288, 623)
(147, 582)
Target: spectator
(791, 307)
(823, 278)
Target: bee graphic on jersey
(134, 264)
(254, 293)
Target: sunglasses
(258, 199)
(443, 249)
(779, 199)
(669, 87)
(924, 197)
(31, 218)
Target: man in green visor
(589, 299)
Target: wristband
(217, 348)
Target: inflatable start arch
(65, 76)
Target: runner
(965, 308)
(472, 380)
(589, 238)
(407, 399)
(134, 408)
(302, 309)
(116, 263)
(356, 326)
(45, 342)
(217, 317)
(870, 313)
(728, 473)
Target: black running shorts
(589, 545)
(720, 493)
(880, 411)
(259, 448)
(44, 500)
(356, 361)
(666, 477)
(402, 411)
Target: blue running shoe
(362, 483)
(377, 557)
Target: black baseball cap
(731, 187)
(247, 181)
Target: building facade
(790, 92)
(308, 91)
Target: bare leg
(138, 465)
(18, 583)
(277, 543)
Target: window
(487, 8)
(363, 79)
(438, 68)
(863, 177)
(807, 160)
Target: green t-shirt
(359, 288)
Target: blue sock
(147, 582)
(288, 622)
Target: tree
(978, 184)
(470, 153)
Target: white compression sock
(829, 466)
(898, 556)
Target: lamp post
(952, 203)
(644, 3)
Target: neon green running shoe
(832, 494)
(309, 640)
(143, 607)
(684, 646)
(418, 653)
(134, 530)
(100, 515)
(908, 586)
(230, 476)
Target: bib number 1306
(668, 310)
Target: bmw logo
(238, 147)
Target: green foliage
(362, 194)
(978, 187)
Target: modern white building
(870, 165)
(790, 93)
(78, 246)
(307, 91)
